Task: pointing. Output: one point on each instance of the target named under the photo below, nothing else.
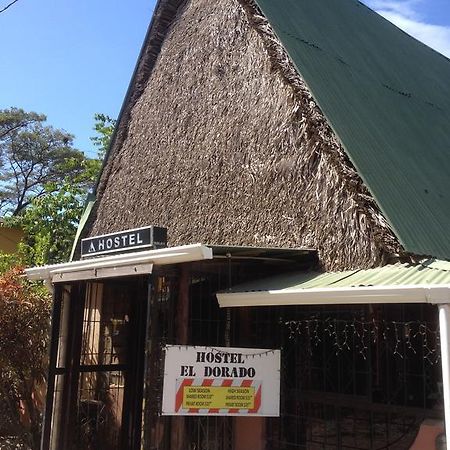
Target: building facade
(285, 139)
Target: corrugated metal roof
(430, 272)
(387, 97)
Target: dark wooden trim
(138, 363)
(358, 402)
(183, 305)
(182, 316)
(70, 390)
(100, 368)
(53, 354)
(103, 368)
(131, 412)
(151, 361)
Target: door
(96, 367)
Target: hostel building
(292, 158)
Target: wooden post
(183, 306)
(182, 333)
(154, 424)
(444, 329)
(249, 432)
(53, 354)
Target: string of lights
(403, 339)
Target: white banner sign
(221, 381)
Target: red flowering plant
(24, 333)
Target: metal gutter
(339, 296)
(137, 262)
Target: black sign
(130, 240)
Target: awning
(426, 282)
(142, 262)
(119, 265)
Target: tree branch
(15, 127)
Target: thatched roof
(164, 14)
(221, 142)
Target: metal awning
(426, 282)
(142, 262)
(119, 265)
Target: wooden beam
(182, 334)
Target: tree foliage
(50, 224)
(32, 157)
(24, 326)
(104, 127)
(16, 118)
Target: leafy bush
(24, 332)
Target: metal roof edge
(169, 255)
(339, 296)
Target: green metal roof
(430, 272)
(387, 97)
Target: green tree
(32, 157)
(50, 219)
(50, 224)
(15, 118)
(104, 127)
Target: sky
(70, 59)
(426, 20)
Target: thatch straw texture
(226, 146)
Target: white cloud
(405, 15)
(405, 8)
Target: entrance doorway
(94, 398)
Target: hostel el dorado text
(234, 370)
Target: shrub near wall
(24, 331)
